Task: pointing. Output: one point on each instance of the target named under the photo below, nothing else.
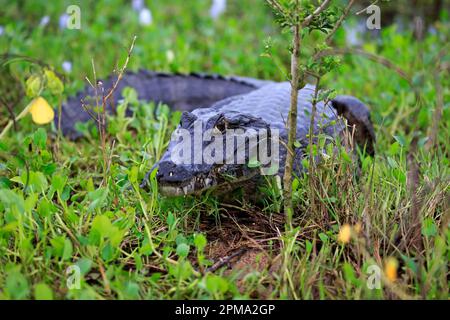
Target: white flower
(67, 66)
(432, 30)
(2, 29)
(217, 8)
(170, 56)
(63, 20)
(145, 17)
(137, 5)
(44, 21)
(352, 34)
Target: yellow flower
(390, 269)
(345, 233)
(41, 112)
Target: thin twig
(361, 11)
(121, 71)
(276, 5)
(339, 22)
(316, 12)
(225, 260)
(89, 112)
(381, 60)
(433, 131)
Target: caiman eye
(221, 125)
(217, 131)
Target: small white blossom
(217, 8)
(145, 17)
(431, 30)
(353, 34)
(137, 5)
(170, 56)
(44, 21)
(67, 66)
(63, 20)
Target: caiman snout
(172, 173)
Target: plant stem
(292, 124)
(11, 122)
(312, 177)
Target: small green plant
(42, 80)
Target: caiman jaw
(198, 185)
(194, 186)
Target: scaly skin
(220, 103)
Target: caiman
(218, 104)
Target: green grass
(56, 212)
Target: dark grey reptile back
(180, 92)
(272, 102)
(212, 94)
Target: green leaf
(349, 273)
(30, 202)
(401, 140)
(183, 250)
(200, 241)
(16, 284)
(216, 284)
(45, 208)
(107, 252)
(59, 182)
(295, 184)
(33, 86)
(170, 219)
(429, 228)
(132, 290)
(10, 199)
(308, 246)
(133, 175)
(85, 265)
(68, 250)
(130, 95)
(54, 84)
(38, 181)
(395, 148)
(43, 292)
(98, 198)
(5, 183)
(58, 245)
(40, 138)
(323, 237)
(180, 239)
(102, 225)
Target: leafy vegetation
(58, 213)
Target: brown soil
(243, 241)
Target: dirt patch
(242, 241)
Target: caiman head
(214, 151)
